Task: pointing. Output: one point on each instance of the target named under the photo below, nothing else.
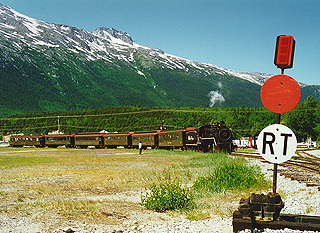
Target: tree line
(304, 120)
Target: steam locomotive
(207, 138)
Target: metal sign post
(275, 165)
(280, 94)
(276, 144)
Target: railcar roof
(116, 134)
(89, 135)
(58, 135)
(142, 134)
(176, 130)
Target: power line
(240, 110)
(40, 127)
(20, 126)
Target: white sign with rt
(277, 143)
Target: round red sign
(280, 93)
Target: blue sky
(233, 34)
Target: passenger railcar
(26, 140)
(114, 140)
(92, 139)
(181, 138)
(58, 140)
(149, 139)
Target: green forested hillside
(304, 120)
(54, 80)
(33, 81)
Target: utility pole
(59, 125)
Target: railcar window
(87, 138)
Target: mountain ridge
(72, 39)
(62, 68)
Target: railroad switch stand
(261, 207)
(261, 211)
(256, 209)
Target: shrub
(168, 196)
(230, 176)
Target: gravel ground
(298, 199)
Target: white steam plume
(215, 97)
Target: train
(207, 138)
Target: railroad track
(303, 167)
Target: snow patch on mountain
(258, 78)
(45, 44)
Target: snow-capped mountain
(102, 43)
(69, 68)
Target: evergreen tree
(304, 119)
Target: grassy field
(104, 186)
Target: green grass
(230, 177)
(208, 160)
(24, 160)
(180, 181)
(168, 196)
(221, 173)
(209, 174)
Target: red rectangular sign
(284, 52)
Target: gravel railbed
(298, 199)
